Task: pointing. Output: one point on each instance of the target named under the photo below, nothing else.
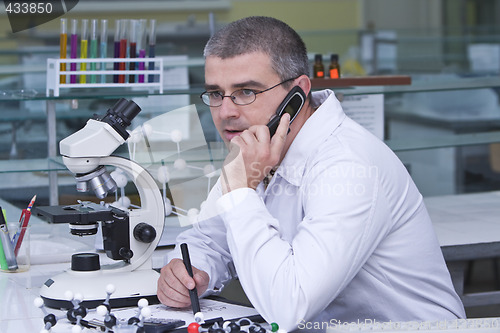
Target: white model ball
(102, 310)
(146, 312)
(120, 178)
(38, 302)
(168, 207)
(176, 136)
(135, 136)
(198, 317)
(147, 129)
(110, 288)
(163, 174)
(209, 170)
(142, 303)
(180, 164)
(124, 201)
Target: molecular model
(162, 173)
(236, 326)
(77, 314)
(138, 322)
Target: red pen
(23, 223)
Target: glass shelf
(424, 84)
(431, 83)
(456, 140)
(32, 165)
(448, 130)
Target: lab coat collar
(320, 125)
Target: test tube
(123, 50)
(93, 48)
(63, 45)
(132, 48)
(74, 47)
(152, 45)
(104, 47)
(84, 42)
(141, 42)
(116, 53)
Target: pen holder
(21, 253)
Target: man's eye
(214, 94)
(246, 92)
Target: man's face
(249, 71)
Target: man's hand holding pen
(174, 284)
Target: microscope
(129, 235)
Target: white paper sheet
(210, 308)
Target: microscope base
(129, 288)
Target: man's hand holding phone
(252, 155)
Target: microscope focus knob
(126, 253)
(144, 232)
(85, 262)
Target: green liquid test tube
(104, 47)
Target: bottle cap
(334, 57)
(318, 57)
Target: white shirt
(341, 234)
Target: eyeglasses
(239, 97)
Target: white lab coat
(341, 234)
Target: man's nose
(228, 109)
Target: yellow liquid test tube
(84, 42)
(63, 51)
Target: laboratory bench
(467, 227)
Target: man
(321, 223)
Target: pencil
(193, 293)
(32, 202)
(23, 223)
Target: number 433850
(29, 8)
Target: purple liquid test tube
(74, 48)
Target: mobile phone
(292, 104)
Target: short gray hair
(262, 34)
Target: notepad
(210, 308)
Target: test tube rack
(54, 73)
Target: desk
(18, 290)
(468, 228)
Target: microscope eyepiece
(120, 116)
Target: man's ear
(304, 83)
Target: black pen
(193, 293)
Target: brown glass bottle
(318, 68)
(334, 68)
